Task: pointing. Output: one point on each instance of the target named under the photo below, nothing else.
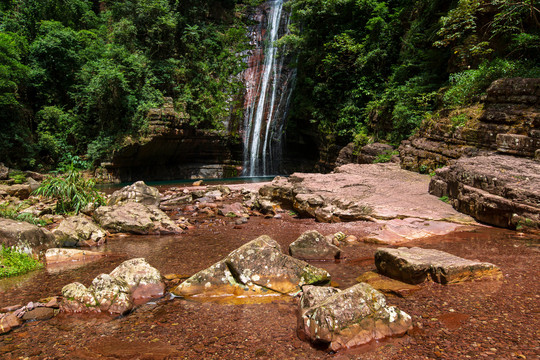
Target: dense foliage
(77, 76)
(14, 263)
(372, 68)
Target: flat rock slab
(361, 192)
(60, 255)
(399, 231)
(416, 265)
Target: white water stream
(262, 124)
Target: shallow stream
(177, 328)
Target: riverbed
(492, 319)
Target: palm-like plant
(71, 190)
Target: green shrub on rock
(72, 191)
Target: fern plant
(72, 192)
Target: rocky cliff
(490, 150)
(506, 121)
(175, 150)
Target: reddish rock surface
(499, 190)
(416, 265)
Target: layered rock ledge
(499, 190)
(507, 121)
(416, 265)
(384, 193)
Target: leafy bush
(467, 86)
(71, 191)
(14, 263)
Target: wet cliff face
(269, 83)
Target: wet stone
(258, 267)
(9, 322)
(386, 285)
(313, 245)
(117, 292)
(351, 317)
(416, 265)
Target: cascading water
(269, 85)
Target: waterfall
(268, 88)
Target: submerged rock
(313, 245)
(135, 218)
(355, 316)
(137, 192)
(8, 322)
(79, 231)
(386, 285)
(117, 292)
(258, 267)
(57, 255)
(25, 236)
(416, 265)
(398, 231)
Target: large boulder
(352, 317)
(312, 245)
(499, 190)
(416, 265)
(25, 236)
(79, 231)
(143, 280)
(258, 267)
(129, 284)
(136, 192)
(135, 218)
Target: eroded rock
(79, 231)
(258, 267)
(355, 316)
(416, 265)
(387, 285)
(117, 293)
(313, 245)
(135, 218)
(137, 192)
(360, 192)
